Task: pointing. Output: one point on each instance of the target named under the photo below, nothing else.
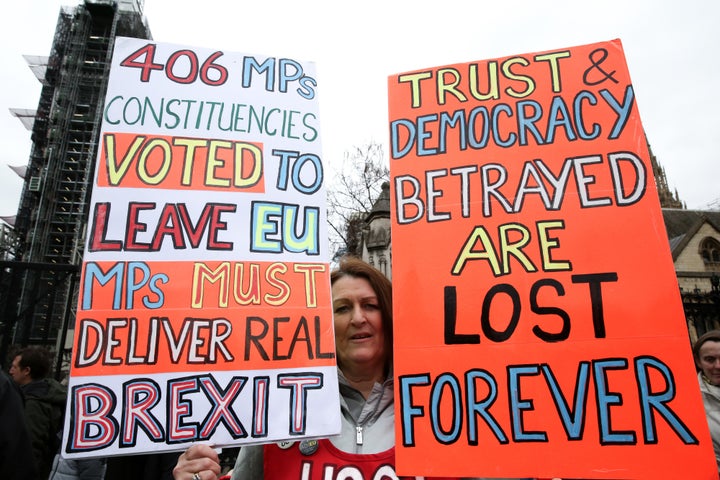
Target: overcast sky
(670, 48)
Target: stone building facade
(376, 245)
(694, 238)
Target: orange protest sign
(538, 325)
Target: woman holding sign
(362, 306)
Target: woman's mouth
(360, 336)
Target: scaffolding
(50, 224)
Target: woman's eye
(341, 309)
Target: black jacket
(44, 412)
(16, 456)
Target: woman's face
(709, 361)
(359, 334)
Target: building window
(710, 251)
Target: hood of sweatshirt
(47, 390)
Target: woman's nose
(357, 315)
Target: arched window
(710, 250)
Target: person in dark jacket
(44, 404)
(16, 457)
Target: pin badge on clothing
(308, 447)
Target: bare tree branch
(351, 194)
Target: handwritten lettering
(180, 162)
(655, 390)
(169, 413)
(537, 182)
(173, 222)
